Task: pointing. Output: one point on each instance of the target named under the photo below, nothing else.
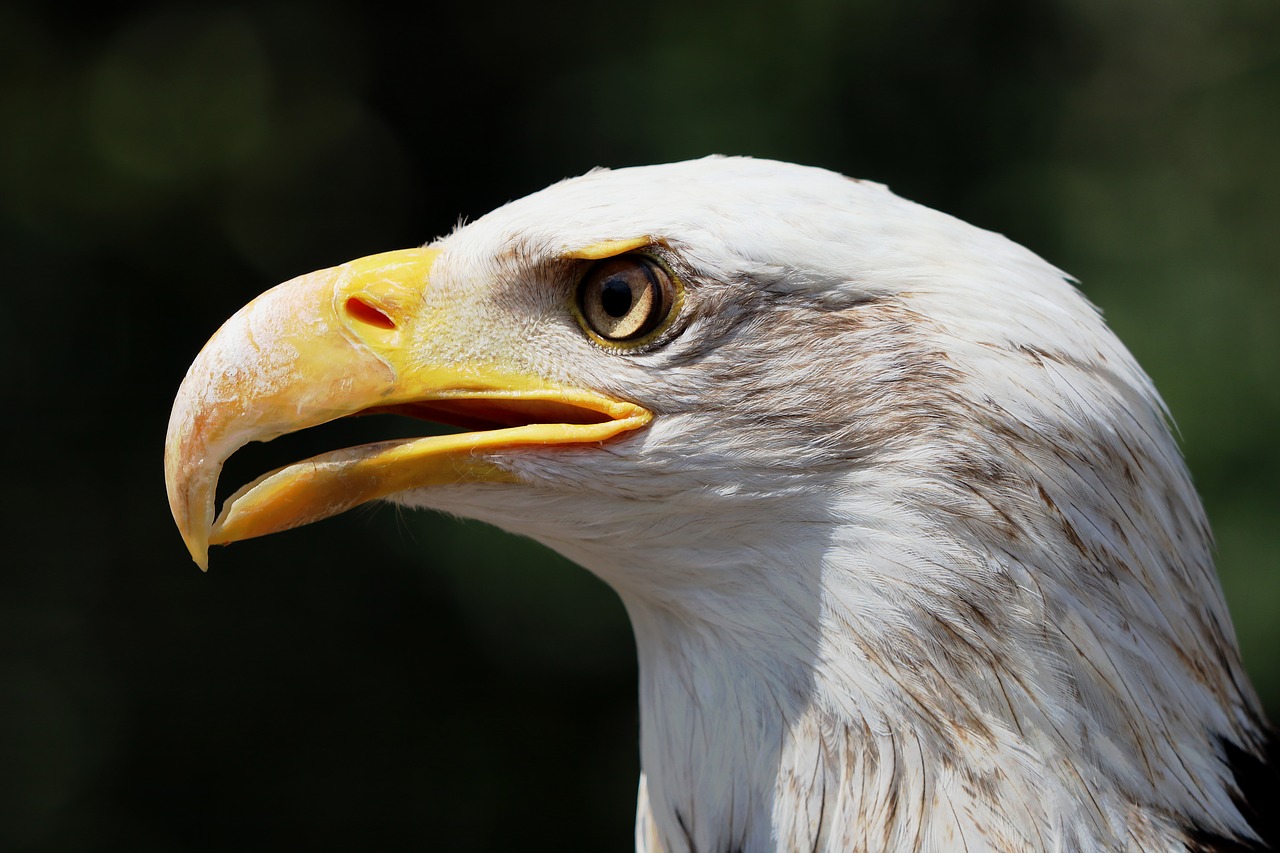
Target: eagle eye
(626, 297)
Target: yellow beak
(354, 339)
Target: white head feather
(911, 556)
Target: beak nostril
(369, 314)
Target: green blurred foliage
(387, 680)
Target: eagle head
(911, 556)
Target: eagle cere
(881, 482)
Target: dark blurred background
(401, 681)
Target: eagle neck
(839, 721)
(716, 710)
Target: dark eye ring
(626, 297)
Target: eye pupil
(615, 297)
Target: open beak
(355, 339)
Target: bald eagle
(912, 559)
